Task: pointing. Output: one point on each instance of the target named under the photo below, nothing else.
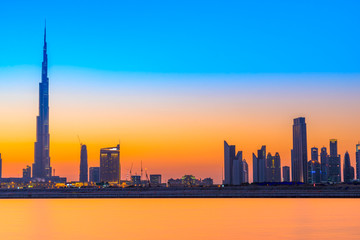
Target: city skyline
(205, 118)
(159, 113)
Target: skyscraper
(237, 171)
(334, 174)
(299, 151)
(333, 147)
(229, 156)
(314, 171)
(286, 174)
(358, 161)
(41, 166)
(324, 158)
(110, 164)
(259, 166)
(314, 154)
(348, 175)
(83, 164)
(273, 168)
(277, 167)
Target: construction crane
(147, 177)
(131, 169)
(79, 141)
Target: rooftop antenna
(79, 141)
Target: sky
(171, 80)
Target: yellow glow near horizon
(174, 126)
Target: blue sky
(205, 37)
(237, 70)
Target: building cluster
(267, 168)
(41, 173)
(190, 181)
(236, 168)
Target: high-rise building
(348, 172)
(245, 172)
(358, 161)
(286, 174)
(94, 173)
(334, 174)
(314, 154)
(259, 166)
(110, 164)
(324, 158)
(237, 173)
(83, 164)
(155, 179)
(314, 171)
(41, 166)
(233, 165)
(273, 168)
(0, 166)
(299, 151)
(333, 147)
(352, 172)
(277, 167)
(27, 174)
(229, 156)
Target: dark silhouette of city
(266, 167)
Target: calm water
(180, 219)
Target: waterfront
(179, 219)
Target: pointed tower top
(45, 31)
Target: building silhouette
(233, 165)
(110, 164)
(299, 151)
(273, 168)
(238, 172)
(41, 166)
(348, 169)
(27, 174)
(314, 154)
(259, 166)
(136, 180)
(0, 166)
(314, 171)
(229, 156)
(286, 174)
(324, 158)
(155, 179)
(94, 174)
(207, 182)
(357, 154)
(83, 164)
(245, 172)
(334, 174)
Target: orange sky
(175, 124)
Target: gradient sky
(173, 79)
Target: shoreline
(263, 192)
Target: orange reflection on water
(180, 219)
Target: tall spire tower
(41, 166)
